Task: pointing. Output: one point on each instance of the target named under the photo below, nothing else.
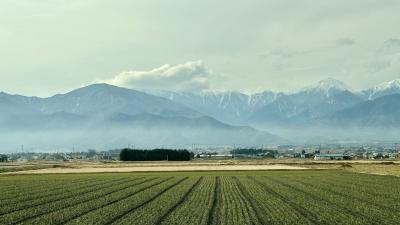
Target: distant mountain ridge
(383, 89)
(379, 112)
(302, 108)
(313, 102)
(230, 107)
(306, 105)
(105, 99)
(108, 116)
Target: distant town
(321, 152)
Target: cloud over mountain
(345, 41)
(190, 76)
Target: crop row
(45, 207)
(119, 209)
(34, 199)
(77, 210)
(157, 208)
(369, 209)
(196, 207)
(269, 198)
(33, 202)
(36, 187)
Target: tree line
(155, 155)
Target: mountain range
(313, 105)
(106, 116)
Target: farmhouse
(3, 158)
(332, 156)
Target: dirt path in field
(159, 169)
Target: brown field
(371, 167)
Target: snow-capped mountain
(107, 99)
(259, 100)
(108, 116)
(386, 88)
(232, 107)
(380, 112)
(302, 107)
(324, 97)
(327, 87)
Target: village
(280, 152)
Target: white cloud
(79, 44)
(379, 65)
(190, 76)
(345, 41)
(390, 46)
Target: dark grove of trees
(155, 155)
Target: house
(3, 158)
(368, 155)
(306, 155)
(332, 156)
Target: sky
(53, 46)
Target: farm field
(223, 197)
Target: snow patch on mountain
(386, 88)
(328, 87)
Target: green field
(271, 197)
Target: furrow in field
(350, 183)
(245, 204)
(312, 217)
(258, 211)
(150, 213)
(69, 213)
(274, 209)
(311, 204)
(117, 210)
(271, 198)
(387, 204)
(15, 186)
(234, 207)
(213, 212)
(359, 209)
(25, 191)
(179, 203)
(32, 212)
(23, 205)
(195, 209)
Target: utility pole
(234, 149)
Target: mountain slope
(118, 130)
(225, 106)
(105, 116)
(386, 88)
(301, 108)
(230, 107)
(202, 129)
(380, 112)
(108, 99)
(15, 104)
(268, 108)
